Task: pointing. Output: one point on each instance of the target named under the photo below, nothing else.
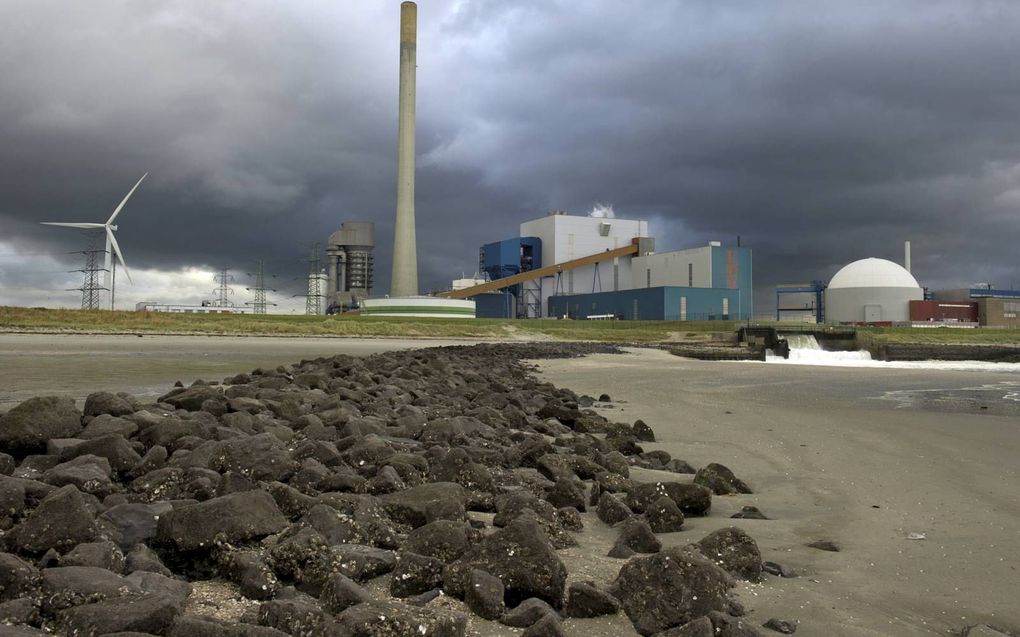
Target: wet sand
(147, 366)
(831, 454)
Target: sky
(818, 131)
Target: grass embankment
(14, 319)
(867, 336)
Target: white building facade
(566, 237)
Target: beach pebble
(64, 519)
(700, 627)
(484, 595)
(720, 479)
(775, 568)
(692, 499)
(734, 550)
(636, 536)
(17, 577)
(611, 509)
(396, 618)
(670, 588)
(584, 599)
(28, 426)
(415, 574)
(728, 626)
(664, 516)
(642, 431)
(547, 626)
(521, 556)
(781, 626)
(528, 612)
(99, 403)
(825, 545)
(749, 513)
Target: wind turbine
(111, 240)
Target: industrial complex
(881, 292)
(599, 266)
(592, 266)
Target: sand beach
(866, 458)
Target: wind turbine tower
(111, 241)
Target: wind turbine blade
(116, 250)
(131, 192)
(73, 225)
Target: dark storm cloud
(821, 132)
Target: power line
(36, 254)
(260, 303)
(223, 291)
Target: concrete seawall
(945, 352)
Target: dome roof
(873, 273)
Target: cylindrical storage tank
(419, 307)
(871, 291)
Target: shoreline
(827, 462)
(829, 457)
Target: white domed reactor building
(871, 290)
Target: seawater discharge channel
(989, 392)
(806, 350)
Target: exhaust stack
(906, 255)
(404, 281)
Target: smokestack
(404, 281)
(906, 255)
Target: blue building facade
(510, 256)
(664, 303)
(495, 305)
(501, 259)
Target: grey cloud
(820, 132)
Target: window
(648, 278)
(690, 275)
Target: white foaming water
(805, 350)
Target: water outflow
(805, 350)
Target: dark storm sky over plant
(821, 132)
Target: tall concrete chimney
(906, 255)
(405, 252)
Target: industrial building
(993, 307)
(929, 311)
(349, 265)
(599, 266)
(871, 291)
(881, 291)
(206, 307)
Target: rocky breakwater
(398, 494)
